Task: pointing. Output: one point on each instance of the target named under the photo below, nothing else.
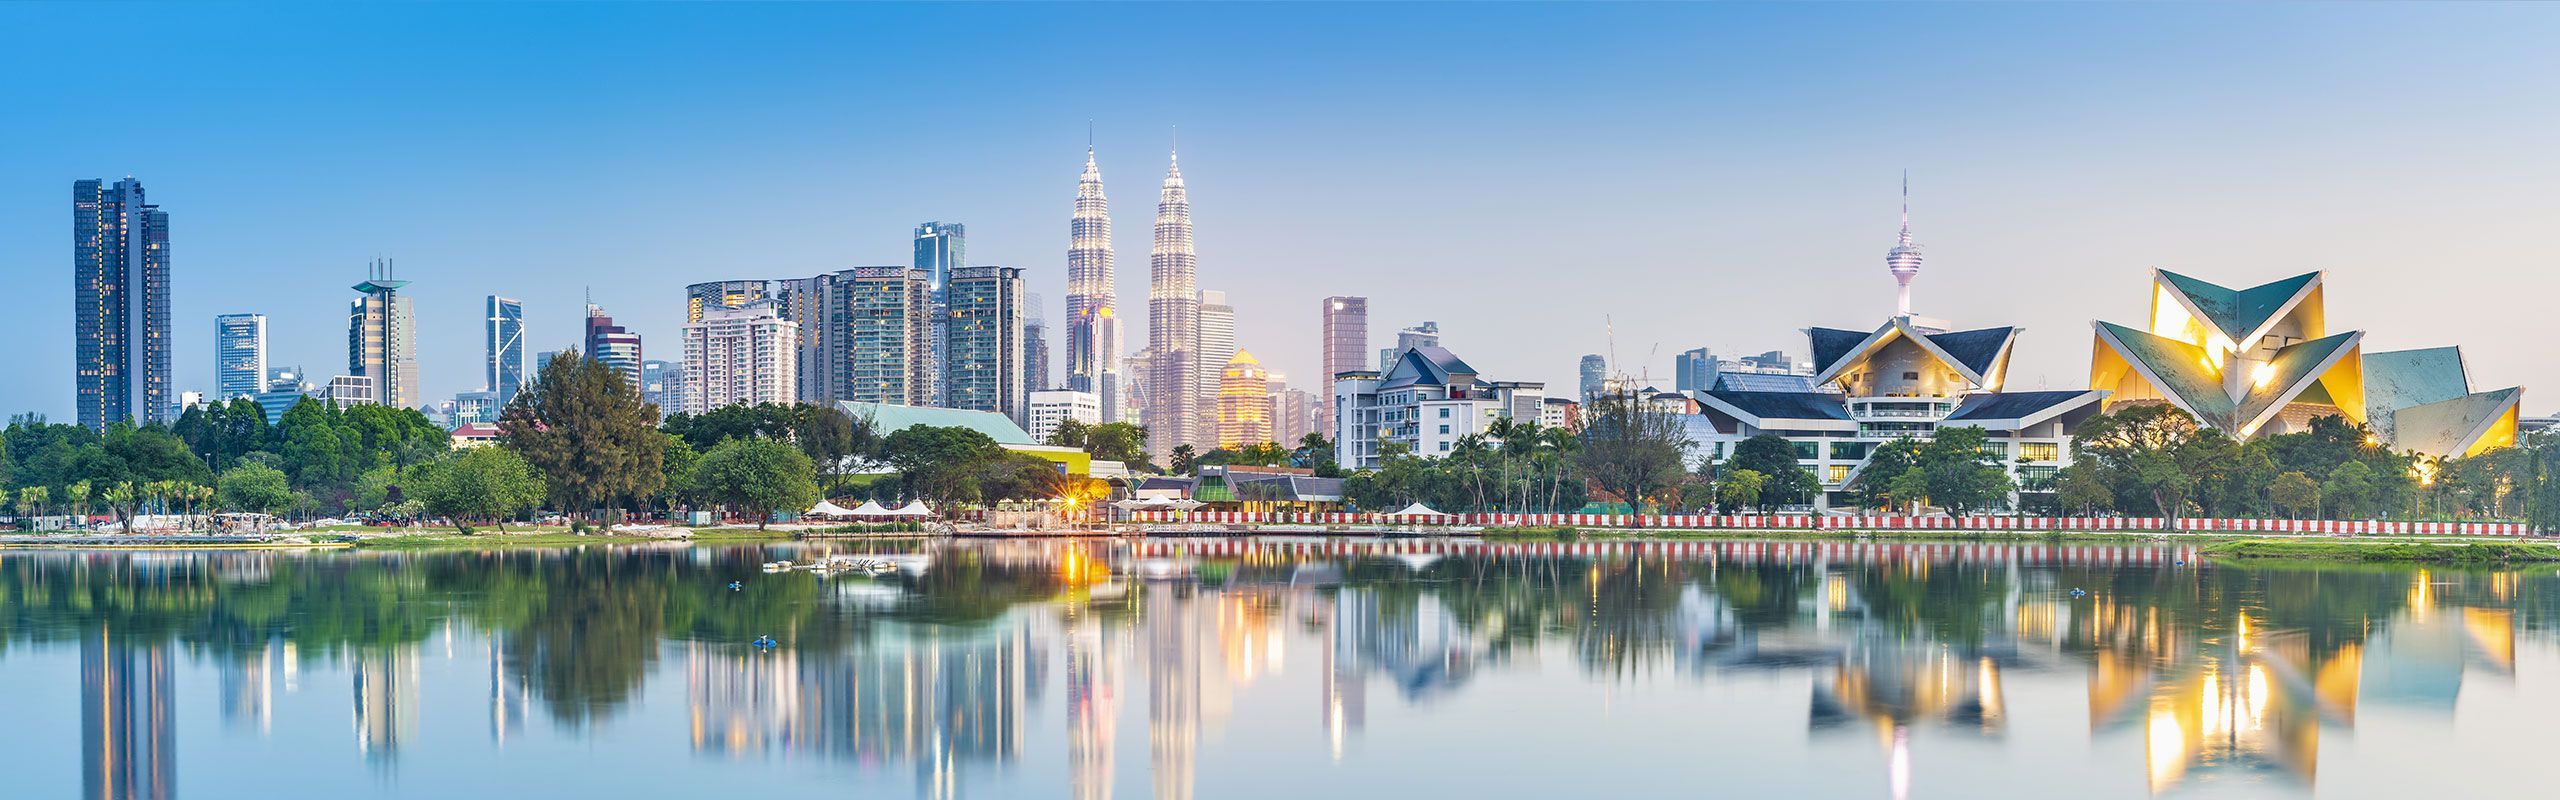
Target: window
(1444, 446)
(1910, 376)
(1444, 414)
(1838, 473)
(1807, 451)
(1444, 431)
(2038, 451)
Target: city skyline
(2074, 202)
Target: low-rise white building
(1426, 400)
(1049, 408)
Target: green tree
(1963, 474)
(2136, 447)
(479, 484)
(1772, 455)
(939, 464)
(1909, 489)
(2350, 490)
(1740, 489)
(34, 497)
(78, 494)
(677, 465)
(2297, 494)
(1632, 448)
(119, 498)
(1874, 486)
(1185, 459)
(255, 488)
(2080, 488)
(585, 429)
(758, 475)
(1315, 452)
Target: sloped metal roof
(2237, 312)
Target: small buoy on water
(735, 586)
(2182, 562)
(2075, 592)
(766, 641)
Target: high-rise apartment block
(504, 373)
(382, 342)
(982, 341)
(741, 355)
(239, 355)
(120, 304)
(877, 332)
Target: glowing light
(2265, 374)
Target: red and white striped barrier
(1859, 523)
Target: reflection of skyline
(938, 704)
(2216, 676)
(128, 732)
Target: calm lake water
(1215, 669)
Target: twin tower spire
(1171, 386)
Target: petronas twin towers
(1170, 388)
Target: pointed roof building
(1174, 405)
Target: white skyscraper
(1217, 345)
(1173, 323)
(1093, 305)
(743, 355)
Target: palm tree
(119, 498)
(34, 497)
(78, 494)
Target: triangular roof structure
(1430, 366)
(913, 508)
(2240, 315)
(1979, 356)
(871, 508)
(1417, 510)
(2187, 376)
(827, 509)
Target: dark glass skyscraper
(120, 304)
(940, 248)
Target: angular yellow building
(2261, 361)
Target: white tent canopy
(913, 508)
(1417, 510)
(827, 509)
(871, 508)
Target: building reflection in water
(128, 734)
(2225, 677)
(385, 680)
(939, 701)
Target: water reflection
(941, 678)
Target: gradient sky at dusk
(1716, 176)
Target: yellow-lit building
(2261, 360)
(1244, 403)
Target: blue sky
(1702, 175)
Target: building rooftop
(888, 419)
(1785, 405)
(2014, 405)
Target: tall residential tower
(120, 304)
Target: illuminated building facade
(2262, 361)
(1093, 305)
(1244, 403)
